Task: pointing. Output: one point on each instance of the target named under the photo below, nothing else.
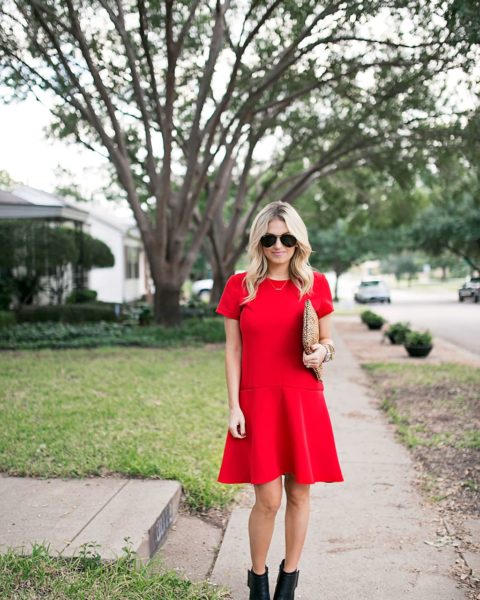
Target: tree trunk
(222, 260)
(167, 305)
(335, 292)
(167, 283)
(220, 276)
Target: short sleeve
(323, 297)
(229, 303)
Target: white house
(129, 278)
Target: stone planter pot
(374, 324)
(419, 350)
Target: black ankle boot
(286, 584)
(258, 585)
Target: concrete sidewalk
(67, 513)
(369, 537)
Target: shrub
(418, 338)
(191, 310)
(146, 315)
(7, 289)
(67, 313)
(365, 315)
(81, 296)
(372, 320)
(29, 336)
(7, 317)
(397, 331)
(137, 313)
(375, 322)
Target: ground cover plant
(30, 336)
(38, 575)
(137, 412)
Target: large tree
(336, 249)
(451, 223)
(206, 109)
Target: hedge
(67, 313)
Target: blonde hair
(299, 269)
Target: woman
(279, 423)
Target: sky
(31, 158)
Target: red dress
(287, 424)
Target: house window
(132, 262)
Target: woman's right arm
(233, 365)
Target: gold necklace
(280, 288)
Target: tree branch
(143, 28)
(204, 85)
(119, 23)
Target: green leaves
(452, 220)
(35, 249)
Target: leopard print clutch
(311, 333)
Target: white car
(202, 289)
(372, 290)
(470, 289)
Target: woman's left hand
(315, 359)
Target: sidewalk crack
(94, 516)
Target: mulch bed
(443, 422)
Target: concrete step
(69, 513)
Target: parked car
(202, 289)
(372, 290)
(470, 289)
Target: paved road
(440, 312)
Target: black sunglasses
(287, 239)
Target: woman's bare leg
(297, 515)
(262, 521)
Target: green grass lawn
(426, 374)
(86, 577)
(160, 413)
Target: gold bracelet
(330, 354)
